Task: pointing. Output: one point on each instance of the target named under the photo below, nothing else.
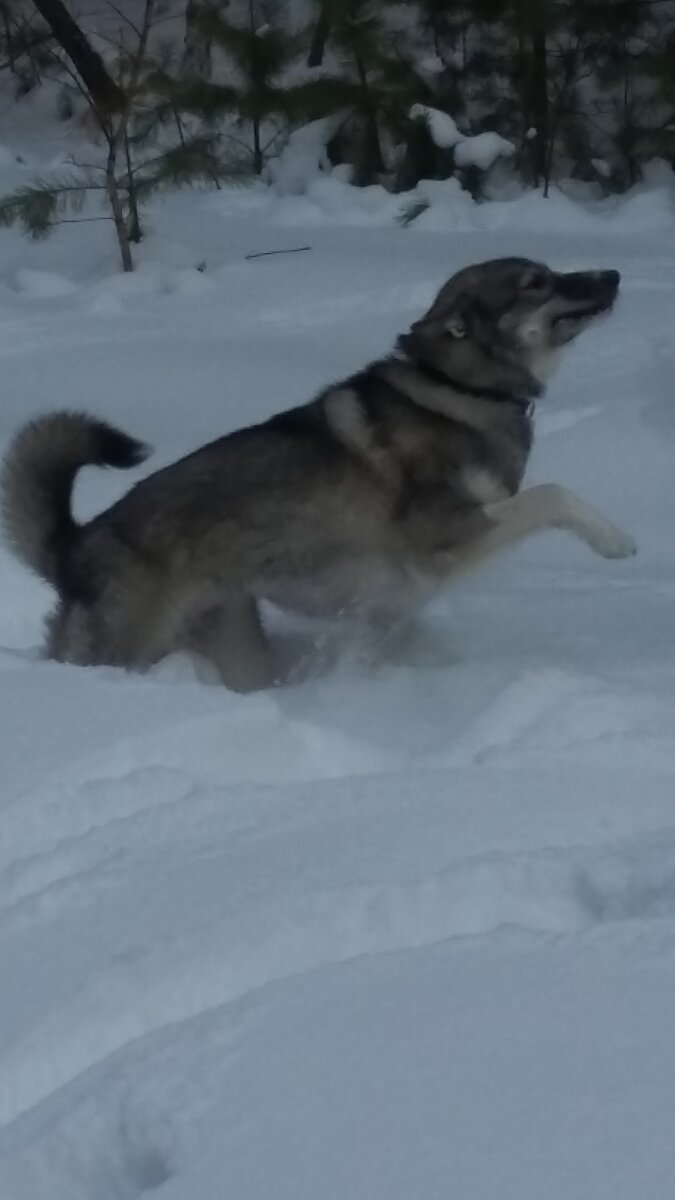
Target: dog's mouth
(584, 312)
(581, 298)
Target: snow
(602, 167)
(43, 283)
(433, 64)
(483, 150)
(399, 932)
(303, 157)
(442, 127)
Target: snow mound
(534, 211)
(43, 284)
(303, 157)
(449, 206)
(483, 150)
(442, 127)
(330, 199)
(433, 64)
(8, 158)
(651, 208)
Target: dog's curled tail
(37, 480)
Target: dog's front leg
(546, 506)
(550, 506)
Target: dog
(367, 499)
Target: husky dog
(365, 500)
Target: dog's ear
(453, 317)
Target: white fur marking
(545, 365)
(483, 485)
(346, 419)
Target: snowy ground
(402, 935)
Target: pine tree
(522, 72)
(375, 88)
(580, 80)
(582, 87)
(25, 42)
(148, 150)
(197, 47)
(443, 22)
(259, 52)
(630, 49)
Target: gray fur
(365, 500)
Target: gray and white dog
(365, 500)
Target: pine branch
(260, 53)
(124, 18)
(36, 206)
(33, 208)
(206, 100)
(194, 162)
(320, 98)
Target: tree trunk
(532, 23)
(9, 38)
(115, 201)
(374, 153)
(135, 233)
(258, 160)
(196, 46)
(322, 33)
(106, 95)
(539, 102)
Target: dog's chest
(483, 466)
(483, 486)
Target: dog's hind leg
(231, 636)
(546, 506)
(69, 635)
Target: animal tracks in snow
(295, 927)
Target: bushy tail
(37, 481)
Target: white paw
(612, 542)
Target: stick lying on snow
(264, 253)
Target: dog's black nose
(612, 279)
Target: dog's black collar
(525, 404)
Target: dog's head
(498, 326)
